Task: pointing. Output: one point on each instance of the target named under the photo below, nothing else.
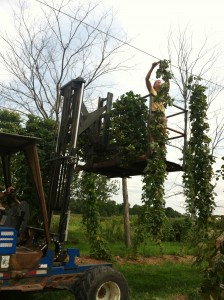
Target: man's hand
(155, 64)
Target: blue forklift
(33, 265)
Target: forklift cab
(11, 144)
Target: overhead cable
(121, 41)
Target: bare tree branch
(50, 50)
(202, 62)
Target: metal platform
(114, 168)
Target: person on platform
(157, 105)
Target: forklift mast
(64, 160)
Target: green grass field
(165, 281)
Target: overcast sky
(148, 24)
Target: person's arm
(147, 78)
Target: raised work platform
(113, 168)
(101, 150)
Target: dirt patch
(154, 260)
(86, 260)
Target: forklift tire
(101, 283)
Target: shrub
(113, 229)
(176, 230)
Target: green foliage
(34, 126)
(171, 213)
(153, 192)
(164, 72)
(135, 210)
(129, 127)
(110, 208)
(10, 122)
(220, 173)
(107, 208)
(91, 218)
(113, 229)
(214, 278)
(104, 189)
(198, 170)
(200, 192)
(210, 257)
(46, 130)
(93, 192)
(177, 229)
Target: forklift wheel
(101, 283)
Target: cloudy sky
(148, 25)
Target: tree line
(111, 208)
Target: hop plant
(163, 70)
